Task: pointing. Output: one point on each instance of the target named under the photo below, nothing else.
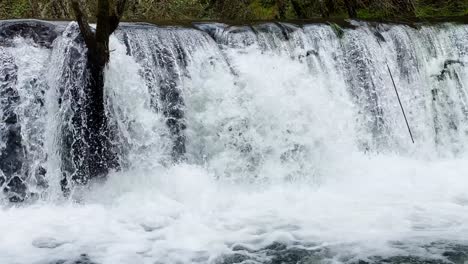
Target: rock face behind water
(41, 33)
(11, 150)
(20, 146)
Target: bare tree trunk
(351, 6)
(96, 155)
(331, 6)
(34, 8)
(327, 8)
(108, 18)
(298, 9)
(323, 9)
(281, 4)
(405, 7)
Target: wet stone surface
(42, 33)
(82, 259)
(278, 253)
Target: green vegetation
(433, 8)
(165, 10)
(337, 29)
(12, 8)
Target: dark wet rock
(172, 102)
(241, 248)
(239, 29)
(404, 260)
(16, 189)
(213, 29)
(40, 174)
(291, 255)
(276, 253)
(446, 69)
(82, 259)
(339, 31)
(233, 259)
(279, 253)
(42, 33)
(171, 60)
(126, 41)
(287, 29)
(276, 247)
(457, 254)
(308, 54)
(21, 153)
(311, 52)
(379, 36)
(364, 90)
(233, 36)
(12, 153)
(86, 145)
(282, 31)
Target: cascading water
(270, 143)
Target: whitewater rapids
(294, 137)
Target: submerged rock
(278, 253)
(82, 259)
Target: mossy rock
(339, 31)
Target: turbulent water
(270, 143)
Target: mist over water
(296, 149)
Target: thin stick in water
(399, 101)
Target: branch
(298, 9)
(82, 19)
(34, 8)
(116, 15)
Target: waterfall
(233, 143)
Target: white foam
(275, 154)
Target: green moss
(372, 14)
(12, 9)
(442, 9)
(262, 10)
(337, 29)
(429, 11)
(21, 8)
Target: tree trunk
(298, 9)
(327, 8)
(405, 7)
(351, 6)
(98, 157)
(34, 8)
(324, 9)
(331, 6)
(281, 4)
